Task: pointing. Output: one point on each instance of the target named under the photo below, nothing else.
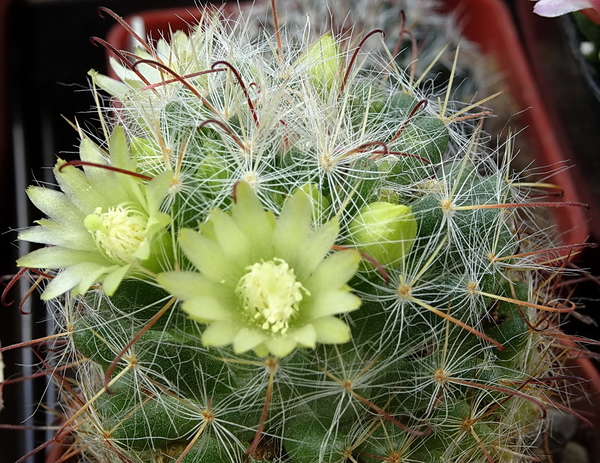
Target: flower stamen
(270, 294)
(119, 231)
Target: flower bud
(324, 60)
(384, 231)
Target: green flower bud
(324, 59)
(384, 231)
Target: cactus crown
(303, 258)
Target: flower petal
(231, 239)
(58, 257)
(54, 234)
(305, 336)
(119, 150)
(156, 190)
(75, 185)
(315, 247)
(112, 86)
(56, 205)
(130, 77)
(206, 309)
(261, 350)
(553, 8)
(130, 187)
(333, 272)
(156, 223)
(332, 302)
(91, 277)
(247, 339)
(331, 330)
(69, 278)
(101, 180)
(250, 217)
(111, 282)
(203, 299)
(206, 255)
(186, 285)
(293, 226)
(219, 333)
(281, 345)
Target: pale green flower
(103, 225)
(265, 284)
(177, 55)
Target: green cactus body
(261, 336)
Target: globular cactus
(422, 36)
(277, 254)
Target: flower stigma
(270, 294)
(119, 231)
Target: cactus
(422, 37)
(277, 254)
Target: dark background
(45, 54)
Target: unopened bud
(324, 59)
(384, 231)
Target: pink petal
(553, 8)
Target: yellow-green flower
(103, 225)
(265, 284)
